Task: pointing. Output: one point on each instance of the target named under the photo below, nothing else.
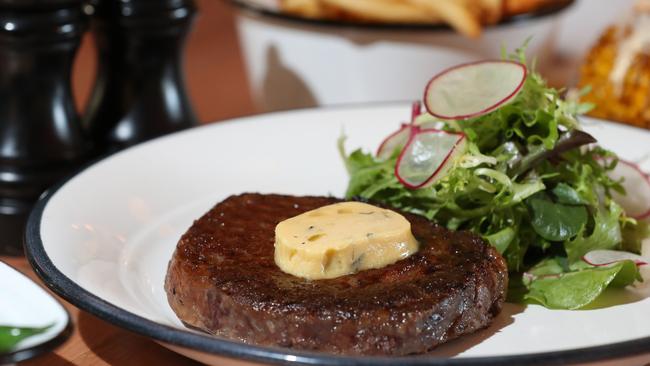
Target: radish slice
(400, 137)
(604, 257)
(636, 202)
(473, 89)
(428, 156)
(394, 141)
(416, 110)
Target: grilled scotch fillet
(223, 279)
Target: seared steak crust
(223, 279)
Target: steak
(222, 279)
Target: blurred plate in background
(295, 62)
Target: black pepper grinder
(41, 138)
(140, 91)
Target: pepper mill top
(35, 4)
(144, 13)
(41, 21)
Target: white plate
(25, 304)
(103, 239)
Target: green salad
(532, 184)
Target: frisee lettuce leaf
(526, 185)
(606, 234)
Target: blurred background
(238, 62)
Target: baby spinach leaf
(574, 290)
(556, 221)
(565, 194)
(549, 266)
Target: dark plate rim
(87, 301)
(297, 20)
(41, 348)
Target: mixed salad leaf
(531, 183)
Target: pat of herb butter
(342, 239)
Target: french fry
(453, 12)
(304, 8)
(466, 16)
(516, 7)
(388, 11)
(492, 11)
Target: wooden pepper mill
(140, 91)
(41, 138)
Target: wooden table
(219, 90)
